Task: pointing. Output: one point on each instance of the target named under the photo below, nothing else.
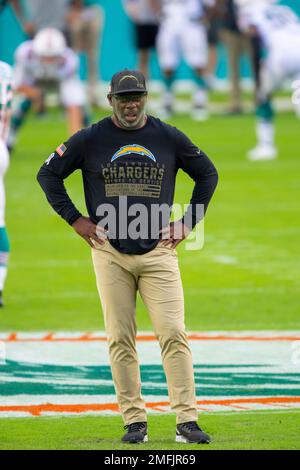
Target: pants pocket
(167, 248)
(97, 245)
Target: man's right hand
(90, 231)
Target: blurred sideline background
(118, 29)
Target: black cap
(128, 81)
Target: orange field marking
(37, 410)
(13, 337)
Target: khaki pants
(85, 36)
(237, 45)
(156, 276)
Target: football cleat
(199, 114)
(136, 433)
(262, 153)
(190, 433)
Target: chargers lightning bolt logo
(134, 148)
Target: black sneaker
(136, 433)
(190, 433)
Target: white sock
(297, 110)
(168, 98)
(265, 133)
(200, 98)
(3, 273)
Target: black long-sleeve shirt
(122, 168)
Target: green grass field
(246, 277)
(240, 431)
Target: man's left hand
(174, 234)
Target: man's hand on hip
(90, 231)
(174, 233)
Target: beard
(131, 119)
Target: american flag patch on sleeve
(61, 150)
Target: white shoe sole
(137, 442)
(267, 156)
(184, 440)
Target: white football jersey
(271, 21)
(31, 69)
(184, 9)
(6, 96)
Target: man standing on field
(135, 157)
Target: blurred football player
(43, 64)
(145, 19)
(182, 33)
(5, 114)
(278, 29)
(85, 23)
